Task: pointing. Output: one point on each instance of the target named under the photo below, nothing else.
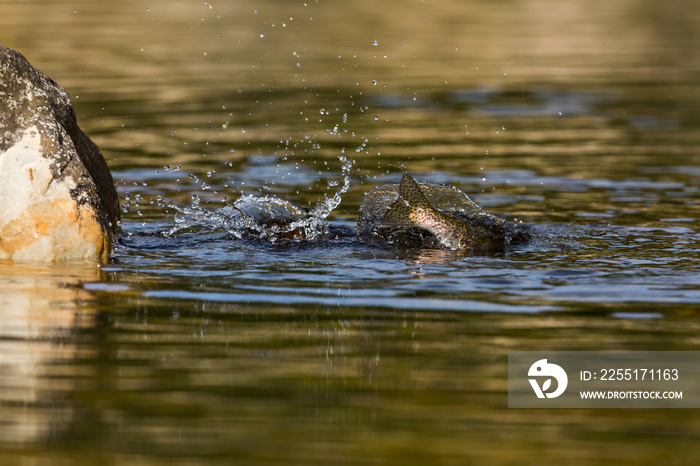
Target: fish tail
(410, 192)
(398, 215)
(411, 197)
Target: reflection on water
(168, 378)
(40, 309)
(577, 118)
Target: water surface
(191, 346)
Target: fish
(412, 208)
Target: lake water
(577, 118)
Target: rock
(57, 197)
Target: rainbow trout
(413, 208)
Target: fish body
(412, 208)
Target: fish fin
(410, 192)
(410, 198)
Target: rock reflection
(41, 306)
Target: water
(194, 346)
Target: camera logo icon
(542, 369)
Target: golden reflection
(40, 305)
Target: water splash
(325, 207)
(263, 218)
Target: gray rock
(57, 196)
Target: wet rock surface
(57, 196)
